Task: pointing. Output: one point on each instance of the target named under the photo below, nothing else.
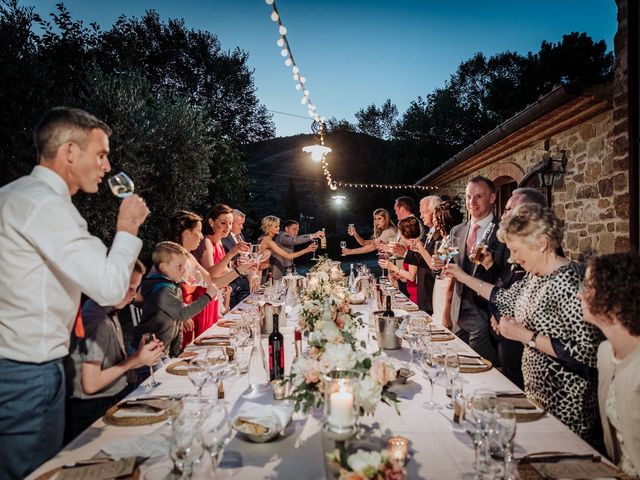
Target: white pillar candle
(341, 409)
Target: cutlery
(558, 457)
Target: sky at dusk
(354, 53)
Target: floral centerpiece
(364, 465)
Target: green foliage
(378, 122)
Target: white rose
(330, 332)
(341, 354)
(363, 462)
(382, 371)
(368, 393)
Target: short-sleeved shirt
(103, 343)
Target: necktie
(473, 236)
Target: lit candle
(398, 449)
(341, 415)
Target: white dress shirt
(47, 258)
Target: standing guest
(425, 277)
(403, 208)
(469, 312)
(97, 365)
(163, 310)
(45, 248)
(287, 240)
(211, 253)
(543, 312)
(409, 229)
(610, 302)
(240, 286)
(270, 225)
(384, 230)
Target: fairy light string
(319, 122)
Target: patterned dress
(548, 304)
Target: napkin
(471, 362)
(282, 412)
(154, 444)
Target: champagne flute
(474, 430)
(505, 430)
(121, 185)
(148, 338)
(442, 251)
(215, 433)
(452, 370)
(431, 369)
(185, 447)
(315, 257)
(198, 374)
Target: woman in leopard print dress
(543, 312)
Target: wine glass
(484, 407)
(215, 433)
(452, 370)
(477, 253)
(185, 447)
(442, 252)
(431, 369)
(121, 185)
(474, 429)
(315, 257)
(148, 338)
(505, 430)
(216, 362)
(383, 256)
(198, 374)
(343, 245)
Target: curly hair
(179, 222)
(529, 221)
(268, 222)
(409, 227)
(446, 216)
(612, 286)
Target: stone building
(581, 132)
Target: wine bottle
(388, 312)
(276, 352)
(323, 241)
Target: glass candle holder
(340, 404)
(279, 388)
(398, 448)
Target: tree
(377, 122)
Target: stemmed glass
(185, 448)
(452, 370)
(383, 256)
(441, 249)
(476, 255)
(198, 374)
(315, 257)
(216, 362)
(484, 407)
(148, 338)
(474, 429)
(505, 430)
(343, 245)
(215, 433)
(121, 185)
(432, 370)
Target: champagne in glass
(442, 252)
(343, 245)
(121, 185)
(148, 338)
(478, 251)
(315, 257)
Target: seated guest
(270, 225)
(543, 312)
(240, 286)
(286, 240)
(409, 230)
(163, 310)
(610, 301)
(97, 365)
(384, 230)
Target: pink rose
(393, 471)
(382, 373)
(340, 322)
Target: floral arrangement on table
(364, 465)
(330, 326)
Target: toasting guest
(287, 240)
(384, 230)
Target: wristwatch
(532, 343)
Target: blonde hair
(268, 222)
(165, 251)
(388, 223)
(529, 221)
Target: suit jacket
(425, 278)
(287, 243)
(240, 286)
(500, 254)
(625, 377)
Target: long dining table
(440, 448)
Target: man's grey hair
(238, 213)
(432, 201)
(531, 195)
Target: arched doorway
(505, 185)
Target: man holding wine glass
(49, 259)
(470, 313)
(287, 240)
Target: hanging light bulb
(284, 52)
(280, 42)
(295, 69)
(275, 16)
(269, 2)
(306, 93)
(298, 87)
(304, 100)
(296, 77)
(282, 30)
(288, 62)
(302, 79)
(317, 152)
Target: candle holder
(398, 448)
(340, 404)
(279, 388)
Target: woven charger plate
(487, 366)
(442, 337)
(47, 475)
(524, 417)
(527, 472)
(175, 368)
(110, 418)
(212, 342)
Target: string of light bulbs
(319, 152)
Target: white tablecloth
(441, 449)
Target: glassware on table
(484, 408)
(215, 433)
(474, 429)
(432, 370)
(505, 430)
(185, 447)
(121, 185)
(452, 371)
(216, 362)
(258, 373)
(455, 390)
(148, 338)
(477, 253)
(198, 374)
(238, 336)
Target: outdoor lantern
(553, 168)
(316, 151)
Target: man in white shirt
(469, 312)
(47, 259)
(240, 286)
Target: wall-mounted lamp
(554, 166)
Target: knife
(558, 458)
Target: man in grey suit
(240, 286)
(287, 240)
(469, 312)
